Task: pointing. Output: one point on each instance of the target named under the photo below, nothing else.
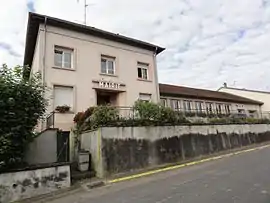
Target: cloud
(207, 42)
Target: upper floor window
(63, 57)
(108, 65)
(143, 71)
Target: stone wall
(121, 149)
(28, 183)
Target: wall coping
(36, 167)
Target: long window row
(196, 106)
(64, 58)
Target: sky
(207, 42)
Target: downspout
(156, 76)
(44, 65)
(44, 51)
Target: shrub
(21, 106)
(147, 110)
(62, 109)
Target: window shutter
(63, 96)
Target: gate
(63, 146)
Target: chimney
(225, 84)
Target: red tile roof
(194, 93)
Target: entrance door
(103, 99)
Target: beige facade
(252, 94)
(82, 70)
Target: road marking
(139, 175)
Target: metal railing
(131, 113)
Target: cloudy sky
(207, 42)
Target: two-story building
(202, 101)
(84, 66)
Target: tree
(22, 104)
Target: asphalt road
(243, 178)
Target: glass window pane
(103, 66)
(144, 73)
(58, 58)
(67, 60)
(139, 73)
(110, 67)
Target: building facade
(83, 66)
(194, 101)
(261, 96)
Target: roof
(33, 26)
(243, 89)
(194, 93)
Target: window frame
(143, 66)
(200, 110)
(107, 59)
(72, 108)
(64, 50)
(187, 103)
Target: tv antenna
(85, 10)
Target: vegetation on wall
(148, 114)
(21, 105)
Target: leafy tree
(22, 104)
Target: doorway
(106, 98)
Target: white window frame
(143, 66)
(141, 95)
(209, 107)
(165, 102)
(197, 103)
(107, 58)
(175, 104)
(64, 50)
(186, 102)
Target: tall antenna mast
(85, 10)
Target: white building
(261, 96)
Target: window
(187, 105)
(63, 96)
(145, 97)
(143, 71)
(253, 113)
(199, 105)
(209, 107)
(163, 102)
(175, 104)
(219, 108)
(108, 65)
(63, 57)
(227, 109)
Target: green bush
(21, 106)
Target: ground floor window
(63, 96)
(145, 97)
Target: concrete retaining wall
(43, 149)
(29, 183)
(115, 150)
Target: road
(243, 178)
